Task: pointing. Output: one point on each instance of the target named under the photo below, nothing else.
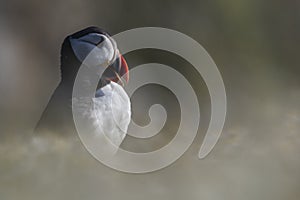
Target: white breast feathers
(111, 112)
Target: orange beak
(124, 69)
(117, 71)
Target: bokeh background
(256, 47)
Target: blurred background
(254, 43)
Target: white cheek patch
(90, 54)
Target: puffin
(96, 43)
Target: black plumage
(57, 116)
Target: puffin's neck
(69, 68)
(68, 79)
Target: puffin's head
(100, 50)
